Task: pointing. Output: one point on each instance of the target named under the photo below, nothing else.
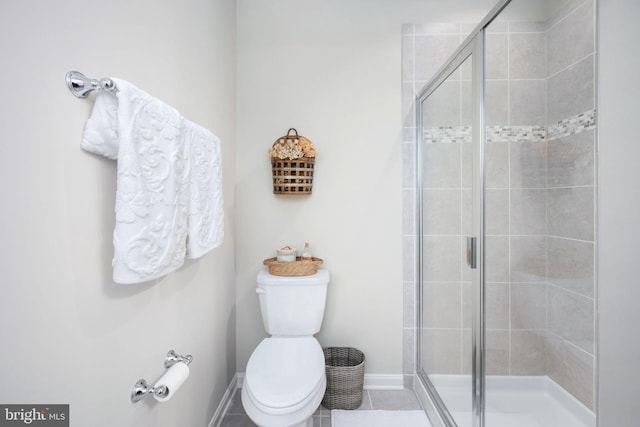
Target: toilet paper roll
(170, 381)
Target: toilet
(285, 378)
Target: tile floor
(371, 399)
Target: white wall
(619, 210)
(68, 334)
(331, 69)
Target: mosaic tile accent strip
(573, 125)
(457, 134)
(447, 134)
(516, 133)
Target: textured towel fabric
(169, 182)
(206, 216)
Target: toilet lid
(284, 371)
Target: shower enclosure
(505, 144)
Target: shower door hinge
(471, 252)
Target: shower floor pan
(515, 401)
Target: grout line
(570, 343)
(569, 66)
(571, 239)
(562, 187)
(370, 400)
(555, 24)
(571, 291)
(509, 343)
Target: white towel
(206, 216)
(169, 182)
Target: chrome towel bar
(80, 86)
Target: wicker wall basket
(345, 377)
(292, 176)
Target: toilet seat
(285, 374)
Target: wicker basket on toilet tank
(293, 158)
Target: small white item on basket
(306, 252)
(286, 254)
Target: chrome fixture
(141, 388)
(80, 86)
(172, 358)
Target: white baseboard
(383, 382)
(225, 403)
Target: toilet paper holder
(172, 358)
(142, 389)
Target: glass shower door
(447, 224)
(540, 214)
(506, 148)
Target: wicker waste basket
(345, 377)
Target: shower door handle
(471, 252)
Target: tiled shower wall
(571, 202)
(540, 196)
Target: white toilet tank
(292, 305)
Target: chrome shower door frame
(473, 46)
(473, 49)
